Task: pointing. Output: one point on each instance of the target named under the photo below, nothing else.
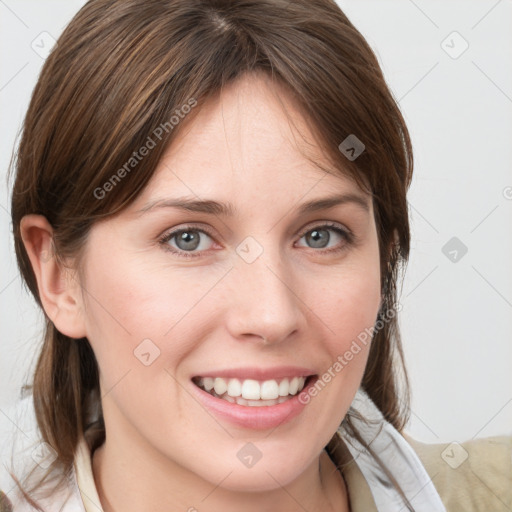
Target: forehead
(250, 142)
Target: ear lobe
(59, 290)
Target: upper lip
(261, 374)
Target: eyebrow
(212, 207)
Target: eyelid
(323, 224)
(187, 227)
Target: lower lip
(256, 418)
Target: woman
(210, 208)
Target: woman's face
(260, 293)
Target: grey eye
(319, 238)
(187, 240)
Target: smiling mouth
(253, 393)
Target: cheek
(345, 312)
(351, 303)
(135, 308)
(349, 311)
(357, 306)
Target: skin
(295, 304)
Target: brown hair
(120, 70)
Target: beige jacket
(482, 482)
(471, 476)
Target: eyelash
(347, 235)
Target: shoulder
(473, 475)
(24, 458)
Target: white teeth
(241, 401)
(208, 383)
(251, 389)
(256, 403)
(250, 403)
(294, 386)
(269, 390)
(259, 403)
(234, 387)
(283, 387)
(251, 392)
(220, 386)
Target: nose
(264, 300)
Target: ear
(59, 289)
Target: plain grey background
(448, 65)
